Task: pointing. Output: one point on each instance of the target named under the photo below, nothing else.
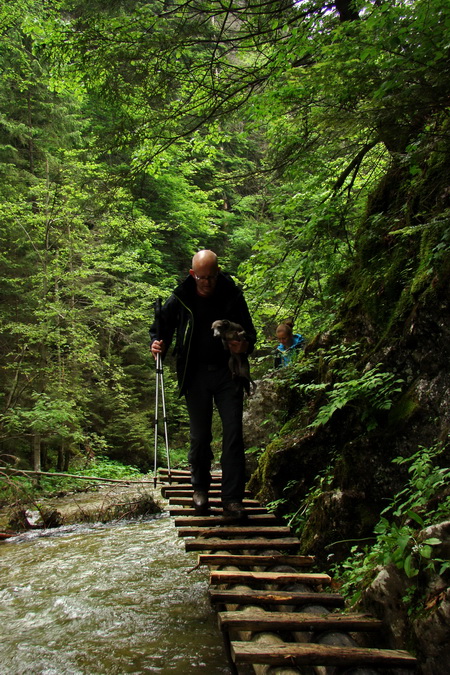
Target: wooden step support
(311, 654)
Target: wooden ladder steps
(297, 621)
(190, 511)
(208, 521)
(313, 654)
(214, 501)
(218, 577)
(255, 560)
(267, 598)
(187, 491)
(210, 544)
(182, 476)
(262, 542)
(268, 531)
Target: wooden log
(183, 490)
(19, 472)
(255, 560)
(190, 511)
(320, 655)
(207, 521)
(218, 577)
(216, 476)
(242, 544)
(230, 531)
(7, 535)
(187, 501)
(268, 598)
(297, 621)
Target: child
(289, 343)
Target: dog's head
(220, 327)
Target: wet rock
(28, 519)
(384, 599)
(432, 636)
(265, 411)
(439, 531)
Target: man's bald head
(204, 257)
(205, 268)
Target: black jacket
(177, 316)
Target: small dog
(238, 363)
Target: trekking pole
(160, 384)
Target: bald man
(204, 378)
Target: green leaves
(373, 389)
(398, 539)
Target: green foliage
(374, 390)
(133, 133)
(104, 467)
(397, 539)
(370, 391)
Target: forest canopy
(133, 133)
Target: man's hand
(157, 347)
(237, 346)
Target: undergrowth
(398, 538)
(20, 487)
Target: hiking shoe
(200, 500)
(234, 510)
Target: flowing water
(106, 600)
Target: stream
(106, 599)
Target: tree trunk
(37, 451)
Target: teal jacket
(284, 354)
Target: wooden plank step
(263, 597)
(319, 655)
(163, 471)
(184, 481)
(206, 521)
(169, 492)
(190, 511)
(297, 621)
(245, 544)
(184, 472)
(218, 577)
(215, 501)
(268, 531)
(249, 560)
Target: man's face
(205, 277)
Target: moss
(403, 410)
(260, 483)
